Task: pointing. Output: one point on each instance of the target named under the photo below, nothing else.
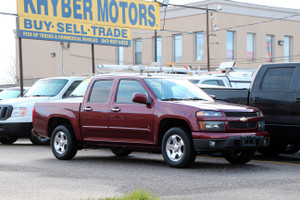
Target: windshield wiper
(38, 95)
(195, 99)
(75, 95)
(173, 99)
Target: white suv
(16, 114)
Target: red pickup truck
(126, 113)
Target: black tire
(63, 143)
(273, 149)
(292, 148)
(121, 152)
(239, 156)
(38, 140)
(177, 148)
(8, 140)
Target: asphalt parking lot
(32, 172)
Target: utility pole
(207, 26)
(93, 59)
(155, 44)
(207, 39)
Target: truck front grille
(242, 125)
(240, 114)
(5, 112)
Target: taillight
(33, 114)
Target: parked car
(11, 93)
(275, 89)
(16, 114)
(127, 113)
(209, 80)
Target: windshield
(47, 88)
(80, 89)
(173, 90)
(9, 94)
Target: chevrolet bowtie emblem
(243, 119)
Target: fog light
(212, 144)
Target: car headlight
(208, 114)
(261, 125)
(19, 112)
(260, 114)
(212, 126)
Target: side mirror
(141, 98)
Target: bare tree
(9, 71)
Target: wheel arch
(168, 123)
(57, 121)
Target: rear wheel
(292, 148)
(239, 156)
(121, 152)
(63, 143)
(8, 140)
(177, 148)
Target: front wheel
(63, 143)
(8, 140)
(177, 148)
(239, 156)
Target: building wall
(239, 17)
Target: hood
(70, 100)
(217, 106)
(22, 101)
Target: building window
(120, 55)
(287, 49)
(138, 51)
(250, 46)
(230, 45)
(199, 46)
(158, 53)
(270, 48)
(177, 48)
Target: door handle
(297, 100)
(116, 109)
(88, 109)
(256, 100)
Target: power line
(12, 14)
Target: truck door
(95, 110)
(296, 101)
(273, 94)
(131, 122)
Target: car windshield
(174, 90)
(9, 94)
(80, 89)
(46, 88)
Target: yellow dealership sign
(91, 21)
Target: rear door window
(277, 79)
(101, 91)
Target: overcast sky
(8, 24)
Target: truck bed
(231, 95)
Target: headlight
(19, 112)
(261, 125)
(212, 126)
(260, 114)
(208, 114)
